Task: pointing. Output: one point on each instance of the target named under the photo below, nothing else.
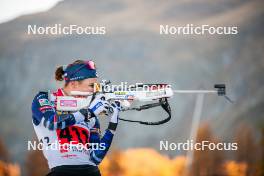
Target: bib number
(73, 135)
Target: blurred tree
(4, 155)
(247, 148)
(6, 168)
(233, 168)
(111, 164)
(261, 165)
(36, 164)
(146, 161)
(207, 162)
(179, 164)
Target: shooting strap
(163, 102)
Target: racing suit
(55, 127)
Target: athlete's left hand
(114, 109)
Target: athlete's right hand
(99, 105)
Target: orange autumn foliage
(8, 169)
(143, 162)
(235, 169)
(148, 162)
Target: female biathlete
(81, 127)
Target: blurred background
(132, 50)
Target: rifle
(157, 94)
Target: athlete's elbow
(97, 159)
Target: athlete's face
(87, 85)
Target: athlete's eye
(90, 85)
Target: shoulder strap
(162, 102)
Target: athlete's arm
(97, 155)
(97, 105)
(95, 132)
(42, 108)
